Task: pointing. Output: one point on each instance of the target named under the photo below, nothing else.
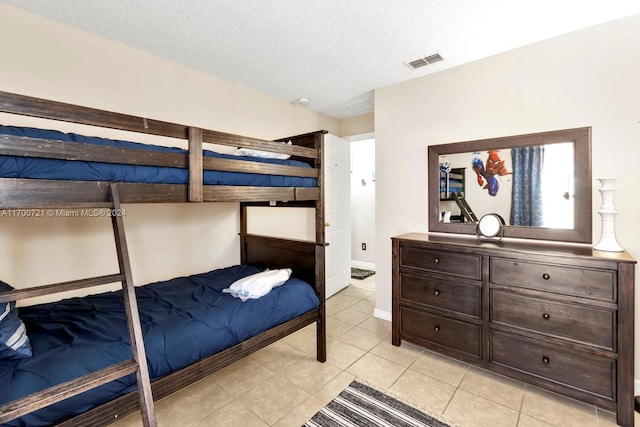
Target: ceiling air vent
(427, 60)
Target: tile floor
(283, 384)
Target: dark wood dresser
(556, 316)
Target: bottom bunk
(190, 327)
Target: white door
(337, 213)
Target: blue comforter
(183, 320)
(39, 168)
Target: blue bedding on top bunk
(183, 320)
(39, 168)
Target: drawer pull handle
(545, 360)
(437, 329)
(546, 316)
(436, 292)
(436, 260)
(546, 276)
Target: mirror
(539, 183)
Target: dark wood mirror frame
(581, 137)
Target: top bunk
(47, 169)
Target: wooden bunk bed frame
(306, 258)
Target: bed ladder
(137, 364)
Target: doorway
(363, 202)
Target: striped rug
(359, 405)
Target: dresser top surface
(538, 247)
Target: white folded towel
(259, 284)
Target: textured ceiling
(332, 52)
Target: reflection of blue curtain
(526, 205)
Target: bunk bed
(44, 169)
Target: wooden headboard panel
(271, 252)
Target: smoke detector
(427, 60)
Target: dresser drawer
(461, 296)
(584, 371)
(589, 325)
(457, 264)
(455, 334)
(589, 283)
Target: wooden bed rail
(72, 285)
(42, 108)
(37, 194)
(302, 147)
(64, 150)
(65, 390)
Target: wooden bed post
(243, 233)
(321, 326)
(196, 174)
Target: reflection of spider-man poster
(495, 166)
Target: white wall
(586, 78)
(363, 202)
(45, 59)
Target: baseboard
(362, 264)
(382, 314)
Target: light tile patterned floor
(283, 384)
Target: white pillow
(263, 154)
(258, 285)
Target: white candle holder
(608, 213)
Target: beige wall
(45, 59)
(587, 78)
(357, 125)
